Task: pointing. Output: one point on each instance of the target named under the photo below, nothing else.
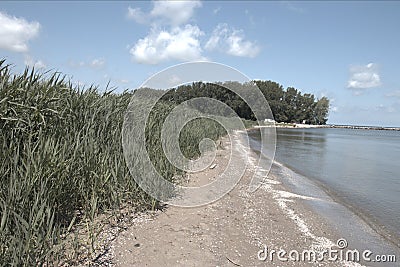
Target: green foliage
(61, 158)
(288, 105)
(61, 162)
(320, 111)
(291, 106)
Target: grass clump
(62, 164)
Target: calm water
(359, 168)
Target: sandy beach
(233, 231)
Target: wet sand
(231, 231)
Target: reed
(62, 164)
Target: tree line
(287, 105)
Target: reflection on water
(360, 167)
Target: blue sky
(347, 51)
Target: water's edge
(361, 232)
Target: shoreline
(312, 126)
(345, 220)
(379, 229)
(230, 231)
(383, 239)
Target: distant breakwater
(358, 127)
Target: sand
(228, 232)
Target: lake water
(357, 168)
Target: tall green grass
(62, 164)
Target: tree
(321, 111)
(288, 105)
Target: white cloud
(16, 32)
(216, 10)
(174, 80)
(172, 36)
(391, 109)
(176, 42)
(181, 43)
(137, 15)
(386, 108)
(363, 77)
(97, 63)
(232, 42)
(38, 64)
(395, 93)
(251, 17)
(175, 12)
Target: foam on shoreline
(283, 197)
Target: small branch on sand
(234, 263)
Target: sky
(346, 51)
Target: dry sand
(228, 232)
